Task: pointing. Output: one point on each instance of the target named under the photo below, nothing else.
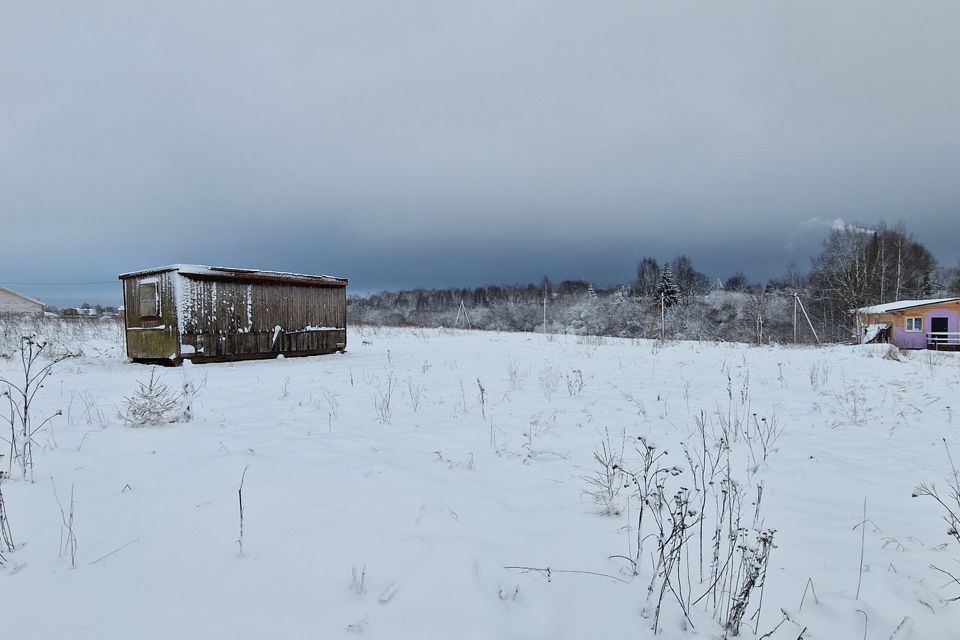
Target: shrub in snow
(155, 403)
(607, 480)
(549, 380)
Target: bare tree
(863, 266)
(648, 275)
(843, 277)
(736, 282)
(901, 266)
(690, 281)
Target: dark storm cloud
(435, 143)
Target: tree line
(857, 267)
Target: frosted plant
(152, 403)
(607, 480)
(575, 383)
(549, 380)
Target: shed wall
(225, 319)
(205, 318)
(154, 338)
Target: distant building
(913, 324)
(216, 313)
(17, 303)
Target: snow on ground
(403, 527)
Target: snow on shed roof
(232, 273)
(903, 304)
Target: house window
(914, 324)
(149, 300)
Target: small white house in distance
(16, 303)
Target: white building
(13, 302)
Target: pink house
(913, 324)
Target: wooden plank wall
(237, 319)
(151, 338)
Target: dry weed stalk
(68, 538)
(383, 397)
(20, 400)
(706, 552)
(243, 477)
(415, 393)
(6, 536)
(950, 506)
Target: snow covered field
(385, 495)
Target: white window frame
(914, 324)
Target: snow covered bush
(155, 403)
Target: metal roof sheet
(233, 273)
(903, 304)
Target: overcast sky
(438, 143)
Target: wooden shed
(208, 314)
(913, 324)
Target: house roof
(903, 304)
(20, 295)
(203, 272)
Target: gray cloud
(460, 143)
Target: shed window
(149, 300)
(915, 324)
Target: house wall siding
(908, 339)
(952, 316)
(12, 303)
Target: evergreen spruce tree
(929, 285)
(667, 287)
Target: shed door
(938, 325)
